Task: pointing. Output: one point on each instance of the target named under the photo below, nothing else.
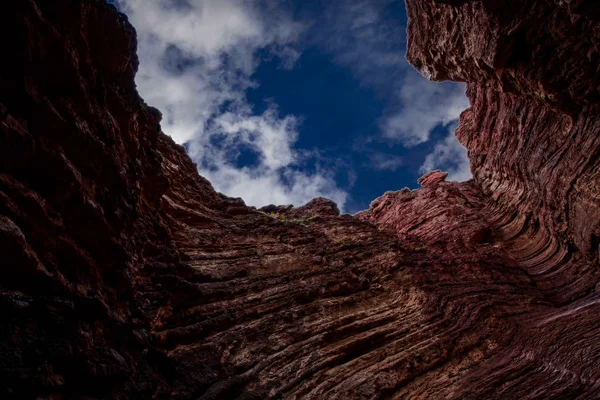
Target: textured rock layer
(125, 275)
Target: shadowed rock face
(124, 274)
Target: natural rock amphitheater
(125, 275)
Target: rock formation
(125, 275)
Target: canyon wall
(125, 275)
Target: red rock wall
(80, 186)
(124, 274)
(533, 132)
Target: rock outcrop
(125, 275)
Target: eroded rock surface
(125, 275)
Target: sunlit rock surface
(125, 275)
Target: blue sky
(282, 101)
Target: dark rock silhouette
(123, 274)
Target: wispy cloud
(276, 176)
(197, 59)
(449, 155)
(358, 35)
(361, 36)
(196, 62)
(384, 162)
(424, 105)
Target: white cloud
(271, 139)
(196, 62)
(356, 34)
(423, 106)
(384, 161)
(450, 156)
(361, 37)
(197, 55)
(197, 58)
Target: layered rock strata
(125, 275)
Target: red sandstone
(125, 275)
